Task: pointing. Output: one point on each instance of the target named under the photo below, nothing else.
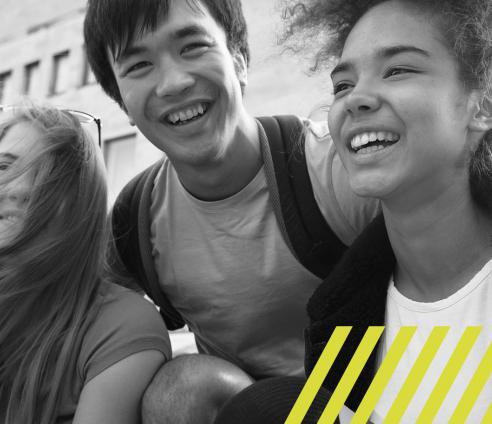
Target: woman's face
(401, 116)
(16, 142)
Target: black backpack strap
(131, 233)
(313, 242)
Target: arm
(114, 395)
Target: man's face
(182, 86)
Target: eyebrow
(9, 156)
(384, 53)
(179, 34)
(189, 31)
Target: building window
(119, 155)
(4, 85)
(88, 76)
(32, 78)
(60, 77)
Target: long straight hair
(50, 273)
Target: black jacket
(353, 295)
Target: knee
(190, 389)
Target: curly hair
(466, 26)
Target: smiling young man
(211, 231)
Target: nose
(15, 196)
(174, 79)
(362, 100)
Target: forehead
(19, 139)
(393, 23)
(180, 15)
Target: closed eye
(196, 48)
(137, 67)
(4, 166)
(341, 87)
(395, 71)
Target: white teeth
(362, 139)
(10, 218)
(187, 114)
(370, 149)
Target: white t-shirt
(226, 268)
(469, 306)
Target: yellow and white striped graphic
(480, 378)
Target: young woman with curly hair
(411, 119)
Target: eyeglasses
(86, 118)
(82, 117)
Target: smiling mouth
(187, 115)
(369, 142)
(12, 219)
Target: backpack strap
(305, 230)
(131, 233)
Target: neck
(230, 170)
(439, 245)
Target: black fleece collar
(353, 295)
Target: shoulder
(126, 323)
(143, 181)
(125, 303)
(321, 155)
(345, 212)
(127, 309)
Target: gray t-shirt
(226, 268)
(126, 324)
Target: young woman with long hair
(411, 119)
(73, 346)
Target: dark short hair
(111, 25)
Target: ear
(131, 121)
(241, 68)
(481, 119)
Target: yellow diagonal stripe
(482, 374)
(488, 416)
(318, 374)
(416, 375)
(350, 375)
(448, 375)
(383, 375)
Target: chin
(6, 239)
(369, 188)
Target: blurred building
(42, 56)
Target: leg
(191, 389)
